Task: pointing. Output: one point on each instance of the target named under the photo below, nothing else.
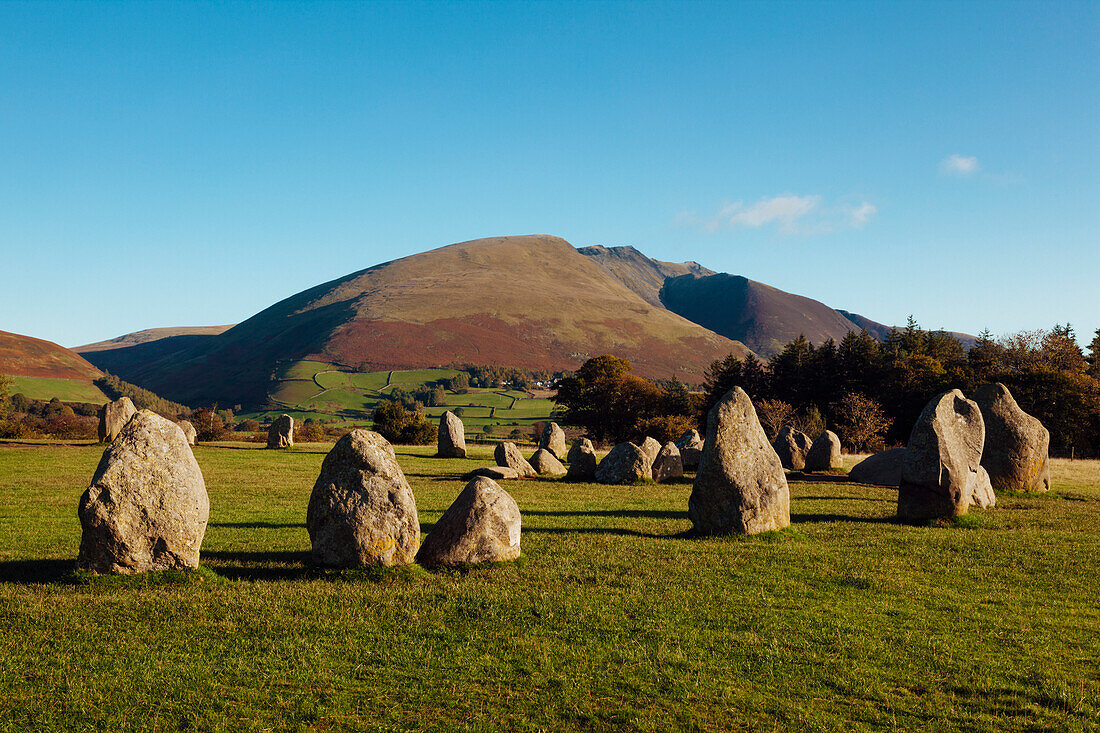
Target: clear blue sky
(190, 164)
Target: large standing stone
(582, 461)
(507, 454)
(881, 469)
(113, 417)
(792, 446)
(1016, 451)
(281, 432)
(362, 511)
(553, 440)
(482, 525)
(691, 449)
(651, 448)
(940, 471)
(824, 454)
(188, 431)
(667, 465)
(740, 487)
(452, 436)
(147, 507)
(625, 463)
(546, 464)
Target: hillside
(149, 335)
(43, 370)
(643, 275)
(527, 301)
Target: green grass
(616, 620)
(66, 390)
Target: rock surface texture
(281, 432)
(1016, 450)
(940, 472)
(651, 448)
(881, 469)
(452, 436)
(113, 418)
(824, 454)
(546, 464)
(582, 461)
(362, 511)
(740, 487)
(507, 454)
(147, 506)
(791, 446)
(625, 463)
(691, 449)
(188, 431)
(667, 465)
(482, 525)
(497, 473)
(553, 440)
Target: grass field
(615, 620)
(66, 390)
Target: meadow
(614, 619)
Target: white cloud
(789, 214)
(959, 165)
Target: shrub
(208, 425)
(399, 425)
(309, 432)
(665, 428)
(861, 422)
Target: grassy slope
(66, 390)
(30, 357)
(850, 622)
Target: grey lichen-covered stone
(1016, 450)
(188, 431)
(690, 445)
(281, 432)
(740, 487)
(940, 472)
(452, 436)
(983, 496)
(553, 440)
(362, 511)
(651, 448)
(824, 454)
(792, 446)
(546, 464)
(497, 473)
(667, 465)
(582, 461)
(147, 507)
(625, 463)
(881, 469)
(482, 525)
(113, 417)
(507, 454)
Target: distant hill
(43, 370)
(150, 334)
(526, 301)
(643, 275)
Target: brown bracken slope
(526, 301)
(23, 356)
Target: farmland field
(613, 620)
(66, 390)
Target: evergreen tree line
(143, 399)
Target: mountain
(24, 356)
(150, 334)
(525, 301)
(643, 275)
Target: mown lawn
(614, 620)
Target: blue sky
(190, 164)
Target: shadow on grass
(797, 518)
(620, 513)
(29, 572)
(264, 565)
(258, 525)
(843, 498)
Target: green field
(614, 621)
(66, 390)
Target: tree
(403, 427)
(6, 384)
(1094, 356)
(607, 400)
(208, 425)
(773, 414)
(860, 422)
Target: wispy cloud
(959, 165)
(788, 213)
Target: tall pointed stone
(1016, 450)
(452, 436)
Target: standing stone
(792, 446)
(625, 463)
(546, 464)
(507, 454)
(881, 469)
(582, 461)
(362, 511)
(188, 431)
(651, 448)
(113, 417)
(667, 464)
(983, 496)
(691, 449)
(553, 440)
(824, 454)
(740, 487)
(147, 507)
(482, 525)
(281, 432)
(452, 436)
(1016, 444)
(497, 473)
(940, 471)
